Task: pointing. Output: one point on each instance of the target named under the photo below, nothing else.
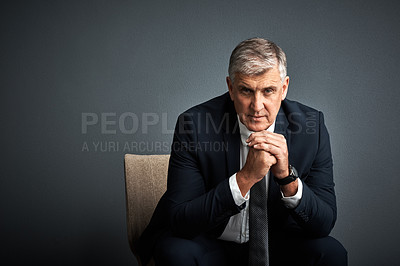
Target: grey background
(62, 204)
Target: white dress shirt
(237, 229)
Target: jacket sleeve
(194, 207)
(316, 213)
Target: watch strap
(289, 179)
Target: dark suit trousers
(205, 251)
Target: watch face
(292, 177)
(293, 171)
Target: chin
(256, 126)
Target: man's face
(257, 98)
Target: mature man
(265, 194)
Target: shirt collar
(245, 132)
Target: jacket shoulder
(215, 106)
(301, 119)
(290, 106)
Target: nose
(257, 103)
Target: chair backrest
(145, 183)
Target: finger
(267, 136)
(266, 154)
(278, 142)
(271, 160)
(256, 134)
(268, 140)
(277, 152)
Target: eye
(245, 90)
(269, 90)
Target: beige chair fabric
(145, 183)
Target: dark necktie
(258, 222)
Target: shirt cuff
(293, 201)
(236, 194)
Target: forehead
(269, 77)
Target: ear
(230, 87)
(285, 87)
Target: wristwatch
(293, 175)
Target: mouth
(257, 118)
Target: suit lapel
(232, 139)
(281, 125)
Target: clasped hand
(268, 151)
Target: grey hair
(255, 56)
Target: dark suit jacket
(205, 153)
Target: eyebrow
(246, 86)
